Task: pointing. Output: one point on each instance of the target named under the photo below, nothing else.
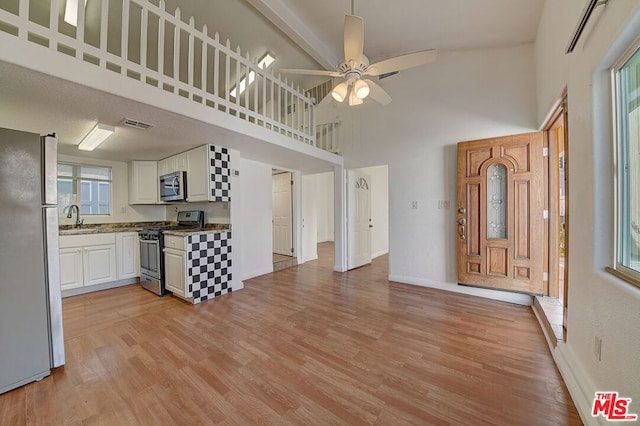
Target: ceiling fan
(355, 66)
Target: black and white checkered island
(207, 264)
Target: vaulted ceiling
(301, 34)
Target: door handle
(461, 232)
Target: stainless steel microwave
(173, 186)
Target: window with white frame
(89, 187)
(627, 107)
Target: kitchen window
(627, 122)
(87, 186)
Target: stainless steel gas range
(152, 245)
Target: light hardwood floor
(303, 346)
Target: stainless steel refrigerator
(31, 339)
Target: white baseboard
(379, 253)
(98, 287)
(237, 286)
(503, 296)
(257, 272)
(580, 385)
(308, 259)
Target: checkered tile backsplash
(208, 265)
(220, 172)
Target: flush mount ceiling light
(96, 136)
(71, 12)
(263, 63)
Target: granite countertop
(209, 228)
(104, 228)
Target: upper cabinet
(143, 182)
(176, 163)
(209, 174)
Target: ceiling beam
(289, 23)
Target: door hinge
(291, 183)
(291, 250)
(545, 152)
(545, 214)
(545, 276)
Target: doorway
(282, 220)
(552, 306)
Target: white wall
(215, 212)
(121, 211)
(379, 209)
(599, 304)
(324, 205)
(464, 95)
(253, 228)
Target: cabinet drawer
(174, 241)
(67, 241)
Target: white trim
(579, 384)
(255, 273)
(502, 296)
(98, 287)
(379, 253)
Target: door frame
(560, 109)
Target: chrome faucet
(70, 214)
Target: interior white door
(282, 214)
(358, 219)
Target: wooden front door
(500, 217)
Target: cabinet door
(71, 268)
(180, 162)
(164, 167)
(197, 174)
(174, 271)
(99, 264)
(128, 251)
(143, 182)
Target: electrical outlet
(597, 348)
(414, 205)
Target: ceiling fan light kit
(339, 92)
(355, 66)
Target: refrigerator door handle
(49, 169)
(52, 262)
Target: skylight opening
(263, 63)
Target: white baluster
(124, 45)
(190, 63)
(53, 23)
(161, 25)
(23, 13)
(176, 51)
(227, 87)
(216, 65)
(144, 25)
(80, 30)
(238, 77)
(203, 73)
(104, 31)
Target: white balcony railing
(140, 40)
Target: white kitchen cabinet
(175, 271)
(143, 182)
(128, 252)
(71, 275)
(99, 264)
(176, 163)
(197, 174)
(91, 259)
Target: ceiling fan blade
(401, 62)
(377, 93)
(353, 40)
(311, 72)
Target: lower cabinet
(91, 259)
(99, 264)
(175, 271)
(71, 274)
